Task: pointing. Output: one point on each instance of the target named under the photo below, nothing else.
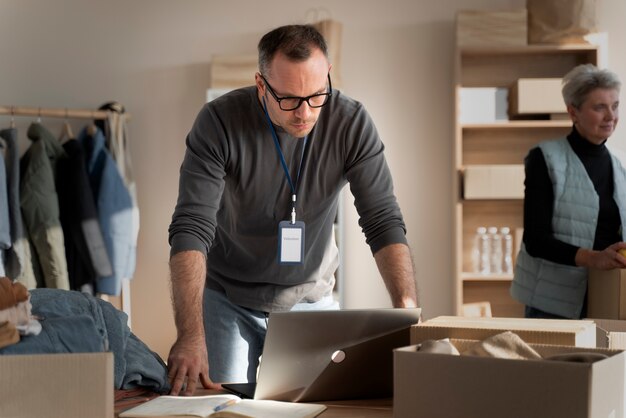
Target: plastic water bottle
(485, 253)
(481, 231)
(507, 240)
(496, 250)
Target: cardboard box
(442, 386)
(606, 294)
(531, 96)
(505, 181)
(483, 104)
(579, 333)
(610, 333)
(480, 28)
(57, 385)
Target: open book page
(179, 406)
(270, 409)
(220, 406)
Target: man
(259, 187)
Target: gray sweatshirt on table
(233, 193)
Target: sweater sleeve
(538, 209)
(371, 184)
(200, 186)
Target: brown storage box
(580, 333)
(532, 96)
(606, 294)
(505, 181)
(491, 28)
(610, 333)
(57, 385)
(430, 385)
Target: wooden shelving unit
(502, 142)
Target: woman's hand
(607, 259)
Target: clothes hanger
(92, 128)
(66, 131)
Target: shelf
(477, 277)
(527, 49)
(497, 143)
(519, 124)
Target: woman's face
(597, 117)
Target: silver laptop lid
(328, 355)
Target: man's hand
(187, 364)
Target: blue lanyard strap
(294, 188)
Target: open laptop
(329, 355)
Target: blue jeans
(235, 336)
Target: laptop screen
(332, 354)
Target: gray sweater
(233, 193)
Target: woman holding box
(574, 202)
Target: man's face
(295, 79)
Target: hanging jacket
(87, 257)
(17, 260)
(40, 206)
(5, 232)
(114, 205)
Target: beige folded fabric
(504, 345)
(8, 334)
(11, 293)
(17, 315)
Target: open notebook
(220, 406)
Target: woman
(574, 204)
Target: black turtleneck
(539, 202)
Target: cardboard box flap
(611, 333)
(555, 325)
(581, 333)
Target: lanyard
(294, 188)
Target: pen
(225, 405)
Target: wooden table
(362, 408)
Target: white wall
(153, 56)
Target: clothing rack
(55, 112)
(66, 113)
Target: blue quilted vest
(557, 288)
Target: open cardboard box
(443, 386)
(579, 333)
(56, 385)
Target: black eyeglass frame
(328, 94)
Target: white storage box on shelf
(536, 96)
(481, 28)
(501, 181)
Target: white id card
(291, 242)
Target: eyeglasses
(288, 103)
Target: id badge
(291, 242)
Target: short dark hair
(297, 42)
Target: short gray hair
(579, 82)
